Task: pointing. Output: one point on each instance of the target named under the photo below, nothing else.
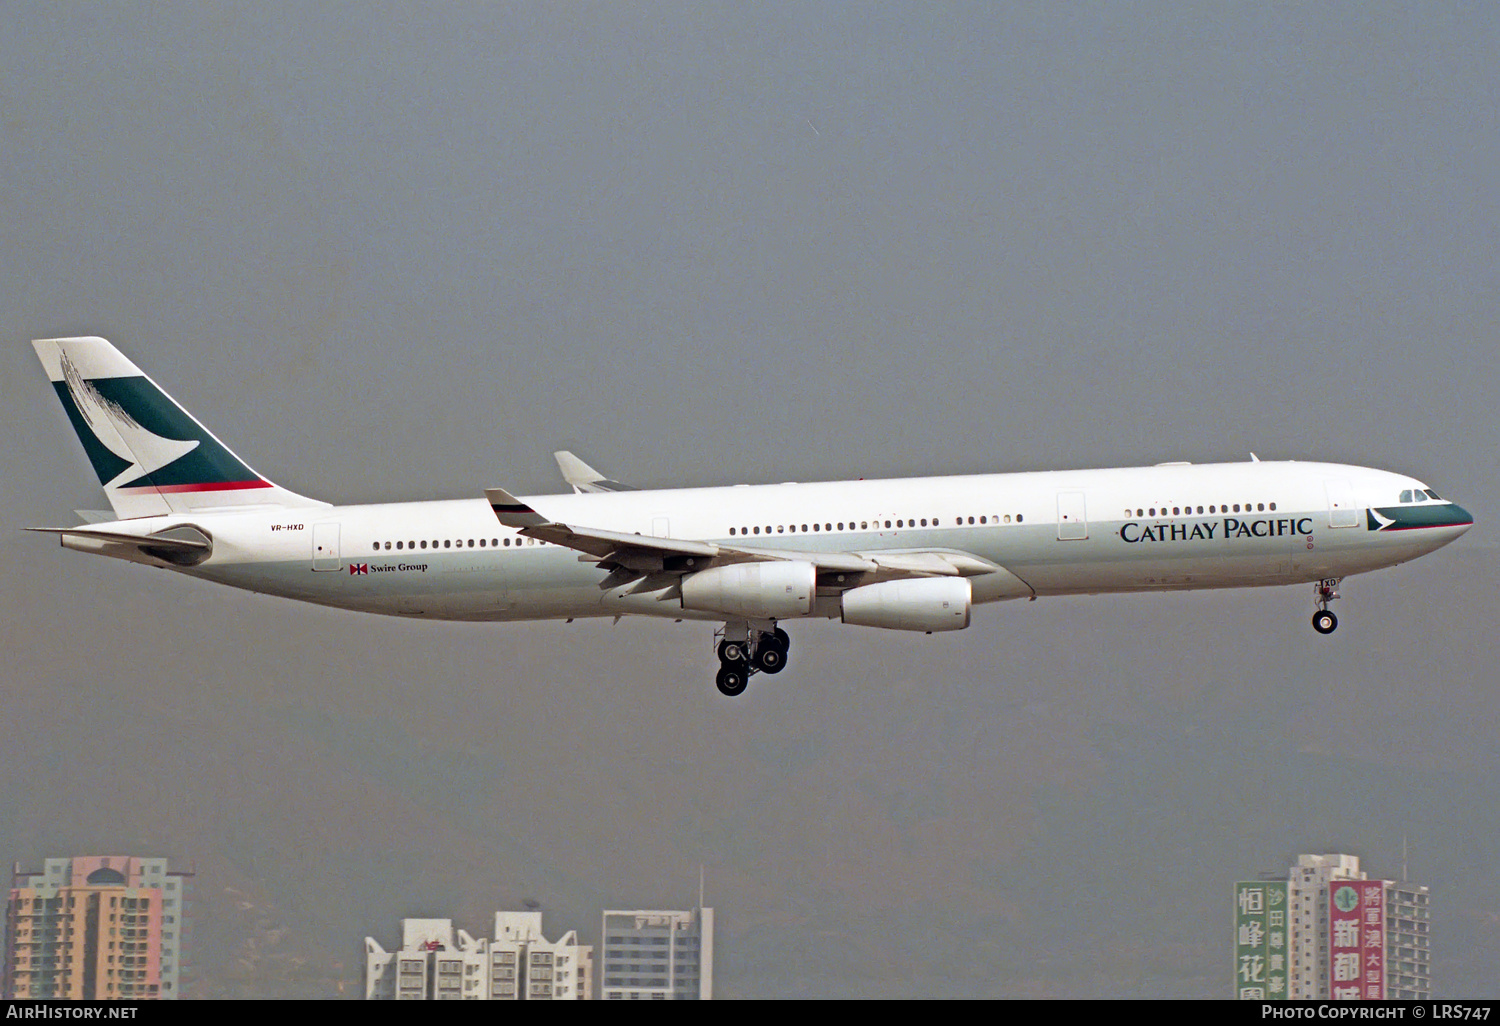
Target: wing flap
(831, 562)
(932, 563)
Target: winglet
(511, 511)
(583, 477)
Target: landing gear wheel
(769, 658)
(732, 679)
(733, 652)
(1324, 621)
(770, 651)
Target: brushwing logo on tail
(139, 440)
(144, 451)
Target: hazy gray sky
(408, 253)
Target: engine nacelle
(756, 591)
(923, 604)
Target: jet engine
(923, 604)
(758, 591)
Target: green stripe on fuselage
(1406, 518)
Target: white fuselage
(1054, 533)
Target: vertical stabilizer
(151, 455)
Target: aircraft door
(325, 546)
(1341, 510)
(1072, 517)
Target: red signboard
(1356, 940)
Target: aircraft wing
(641, 554)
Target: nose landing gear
(744, 652)
(1325, 591)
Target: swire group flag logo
(359, 568)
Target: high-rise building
(1346, 936)
(437, 962)
(99, 927)
(1408, 955)
(560, 970)
(657, 955)
(1307, 895)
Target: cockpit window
(1406, 495)
(1433, 495)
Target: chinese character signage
(1356, 940)
(1260, 940)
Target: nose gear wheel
(1325, 591)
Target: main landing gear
(1325, 591)
(744, 652)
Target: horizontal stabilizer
(182, 545)
(156, 541)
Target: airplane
(908, 555)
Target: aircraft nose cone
(1462, 519)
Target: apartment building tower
(97, 927)
(656, 955)
(1329, 932)
(439, 963)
